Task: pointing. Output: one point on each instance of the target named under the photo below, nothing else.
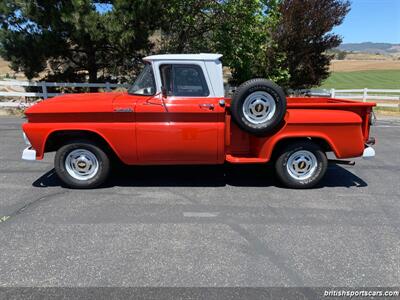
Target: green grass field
(373, 79)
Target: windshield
(144, 84)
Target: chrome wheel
(259, 107)
(81, 164)
(301, 164)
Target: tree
(72, 40)
(238, 29)
(188, 25)
(131, 26)
(304, 35)
(268, 60)
(283, 40)
(243, 38)
(341, 55)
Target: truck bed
(363, 109)
(342, 126)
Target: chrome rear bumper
(369, 152)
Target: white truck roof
(209, 62)
(200, 56)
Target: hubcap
(302, 164)
(81, 164)
(259, 107)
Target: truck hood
(75, 103)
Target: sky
(371, 21)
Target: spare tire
(258, 106)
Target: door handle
(207, 106)
(123, 109)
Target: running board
(244, 160)
(342, 162)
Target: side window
(144, 84)
(184, 80)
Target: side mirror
(164, 92)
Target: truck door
(182, 125)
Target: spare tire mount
(258, 106)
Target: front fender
(119, 136)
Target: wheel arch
(60, 137)
(325, 143)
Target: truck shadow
(206, 176)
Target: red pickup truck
(176, 113)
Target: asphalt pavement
(200, 225)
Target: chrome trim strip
(123, 109)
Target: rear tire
(258, 106)
(301, 165)
(82, 165)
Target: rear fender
(339, 129)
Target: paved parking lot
(200, 226)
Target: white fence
(12, 89)
(390, 98)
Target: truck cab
(180, 110)
(176, 112)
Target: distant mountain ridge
(369, 47)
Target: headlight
(26, 140)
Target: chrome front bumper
(29, 154)
(369, 152)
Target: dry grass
(11, 112)
(387, 111)
(367, 56)
(364, 65)
(5, 69)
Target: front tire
(301, 165)
(82, 165)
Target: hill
(368, 47)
